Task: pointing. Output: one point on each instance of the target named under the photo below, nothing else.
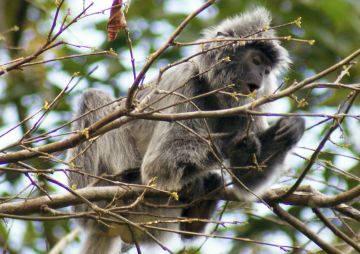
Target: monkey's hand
(244, 149)
(249, 143)
(288, 131)
(270, 147)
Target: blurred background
(24, 25)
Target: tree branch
(305, 230)
(305, 196)
(335, 230)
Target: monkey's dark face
(252, 68)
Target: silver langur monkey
(180, 160)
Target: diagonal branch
(335, 230)
(299, 225)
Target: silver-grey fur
(180, 160)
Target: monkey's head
(248, 65)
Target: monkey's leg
(179, 161)
(203, 209)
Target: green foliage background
(334, 24)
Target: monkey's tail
(96, 242)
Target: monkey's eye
(256, 61)
(267, 71)
(220, 34)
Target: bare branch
(335, 230)
(306, 196)
(305, 230)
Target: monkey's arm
(176, 156)
(256, 159)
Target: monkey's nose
(252, 87)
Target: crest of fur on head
(252, 24)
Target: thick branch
(305, 197)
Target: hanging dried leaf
(117, 21)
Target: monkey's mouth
(252, 87)
(244, 88)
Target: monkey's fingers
(290, 134)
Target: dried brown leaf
(117, 21)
